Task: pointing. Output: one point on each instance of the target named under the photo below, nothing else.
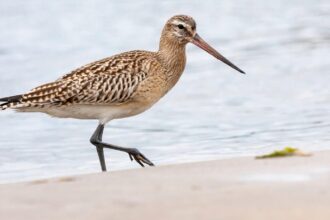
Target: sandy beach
(239, 188)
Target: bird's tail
(10, 102)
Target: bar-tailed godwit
(119, 86)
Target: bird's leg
(95, 140)
(133, 153)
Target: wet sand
(238, 188)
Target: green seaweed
(287, 151)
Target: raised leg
(133, 153)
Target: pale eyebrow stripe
(177, 22)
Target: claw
(146, 161)
(139, 158)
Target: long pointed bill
(199, 42)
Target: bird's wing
(113, 80)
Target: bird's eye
(180, 26)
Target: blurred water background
(213, 112)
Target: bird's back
(113, 81)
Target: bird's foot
(134, 154)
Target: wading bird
(119, 86)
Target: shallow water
(213, 112)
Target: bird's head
(181, 29)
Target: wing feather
(112, 80)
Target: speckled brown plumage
(118, 86)
(113, 80)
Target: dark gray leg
(97, 137)
(133, 153)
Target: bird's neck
(172, 55)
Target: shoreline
(229, 188)
(98, 170)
